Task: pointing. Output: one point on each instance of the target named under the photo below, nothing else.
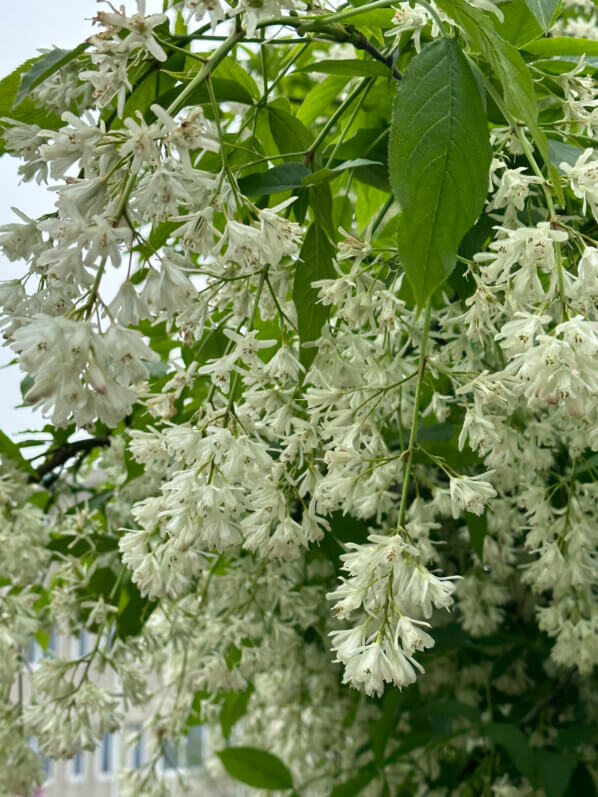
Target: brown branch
(58, 456)
(362, 43)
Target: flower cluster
(268, 474)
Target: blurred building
(93, 774)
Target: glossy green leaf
(519, 25)
(45, 67)
(27, 111)
(357, 783)
(315, 263)
(12, 451)
(544, 11)
(284, 177)
(319, 98)
(555, 770)
(256, 768)
(478, 528)
(560, 151)
(439, 157)
(233, 708)
(229, 69)
(225, 90)
(384, 726)
(350, 67)
(514, 741)
(323, 175)
(289, 132)
(509, 67)
(563, 45)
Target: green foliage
(234, 707)
(544, 11)
(354, 67)
(478, 528)
(315, 264)
(256, 768)
(439, 158)
(12, 451)
(387, 108)
(44, 67)
(27, 110)
(284, 177)
(563, 45)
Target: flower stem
(217, 56)
(364, 83)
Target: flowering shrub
(314, 323)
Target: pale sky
(28, 25)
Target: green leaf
(323, 175)
(319, 98)
(233, 708)
(555, 770)
(28, 111)
(506, 61)
(519, 25)
(436, 432)
(357, 783)
(582, 783)
(563, 45)
(134, 610)
(320, 199)
(560, 151)
(315, 263)
(350, 67)
(384, 726)
(225, 90)
(229, 69)
(439, 157)
(544, 11)
(284, 177)
(40, 499)
(289, 132)
(11, 450)
(256, 768)
(144, 95)
(478, 528)
(514, 741)
(45, 67)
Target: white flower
(376, 664)
(409, 18)
(513, 188)
(280, 237)
(471, 493)
(518, 335)
(140, 27)
(583, 177)
(140, 142)
(412, 638)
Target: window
(188, 753)
(48, 767)
(77, 766)
(111, 635)
(82, 644)
(52, 642)
(47, 763)
(106, 755)
(35, 652)
(194, 747)
(136, 747)
(170, 756)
